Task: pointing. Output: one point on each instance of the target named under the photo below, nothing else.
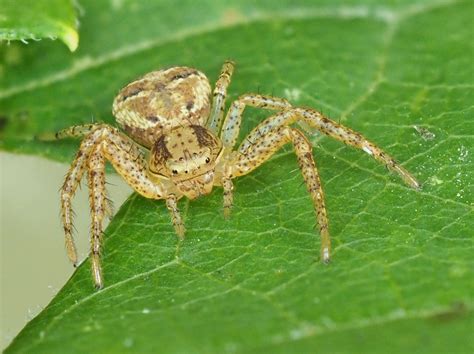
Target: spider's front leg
(73, 179)
(313, 119)
(129, 162)
(233, 119)
(337, 131)
(263, 148)
(103, 143)
(231, 128)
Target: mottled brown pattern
(162, 100)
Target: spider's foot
(325, 256)
(407, 177)
(415, 184)
(71, 249)
(97, 271)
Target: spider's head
(187, 155)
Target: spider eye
(175, 172)
(208, 160)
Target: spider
(176, 143)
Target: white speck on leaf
(116, 4)
(128, 342)
(292, 94)
(434, 181)
(457, 271)
(305, 330)
(289, 31)
(230, 347)
(146, 311)
(463, 153)
(328, 322)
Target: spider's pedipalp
(172, 205)
(228, 187)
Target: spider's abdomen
(162, 100)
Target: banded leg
(231, 128)
(172, 205)
(233, 119)
(304, 152)
(329, 127)
(69, 187)
(352, 138)
(76, 131)
(127, 160)
(264, 148)
(102, 142)
(97, 197)
(219, 95)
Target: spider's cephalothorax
(177, 143)
(188, 156)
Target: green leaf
(401, 276)
(23, 20)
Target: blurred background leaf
(400, 73)
(33, 20)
